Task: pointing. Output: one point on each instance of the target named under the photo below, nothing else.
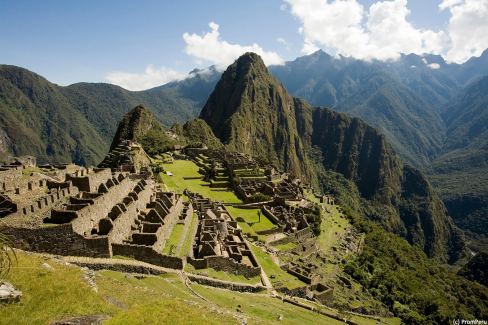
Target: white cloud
(151, 77)
(434, 66)
(345, 27)
(468, 28)
(449, 3)
(209, 47)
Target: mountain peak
(244, 80)
(247, 63)
(135, 124)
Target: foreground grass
(59, 292)
(186, 168)
(49, 294)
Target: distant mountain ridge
(76, 123)
(250, 111)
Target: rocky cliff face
(250, 111)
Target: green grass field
(186, 168)
(333, 225)
(275, 274)
(188, 241)
(286, 247)
(250, 216)
(173, 240)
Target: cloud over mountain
(151, 77)
(468, 26)
(210, 48)
(383, 30)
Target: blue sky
(138, 44)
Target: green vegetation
(173, 240)
(50, 294)
(186, 168)
(333, 225)
(286, 247)
(459, 173)
(414, 287)
(198, 133)
(266, 310)
(476, 269)
(188, 241)
(140, 125)
(60, 293)
(251, 217)
(276, 275)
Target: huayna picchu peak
(231, 181)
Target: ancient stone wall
(89, 181)
(47, 201)
(225, 264)
(242, 287)
(89, 216)
(122, 224)
(169, 221)
(8, 175)
(147, 254)
(60, 240)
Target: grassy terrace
(172, 243)
(250, 217)
(267, 310)
(188, 241)
(185, 168)
(333, 224)
(286, 247)
(276, 275)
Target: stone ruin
(92, 212)
(27, 194)
(218, 242)
(127, 156)
(244, 175)
(290, 219)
